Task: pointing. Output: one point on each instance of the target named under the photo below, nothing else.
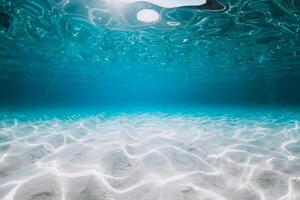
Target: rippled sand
(150, 156)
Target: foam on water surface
(150, 156)
(169, 3)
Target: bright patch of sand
(150, 157)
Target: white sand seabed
(150, 157)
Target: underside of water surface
(149, 99)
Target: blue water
(140, 100)
(94, 52)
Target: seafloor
(151, 156)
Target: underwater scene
(150, 99)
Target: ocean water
(153, 99)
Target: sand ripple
(150, 156)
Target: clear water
(199, 103)
(93, 50)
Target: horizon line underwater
(149, 100)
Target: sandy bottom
(150, 157)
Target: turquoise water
(57, 52)
(154, 99)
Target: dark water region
(48, 93)
(94, 51)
